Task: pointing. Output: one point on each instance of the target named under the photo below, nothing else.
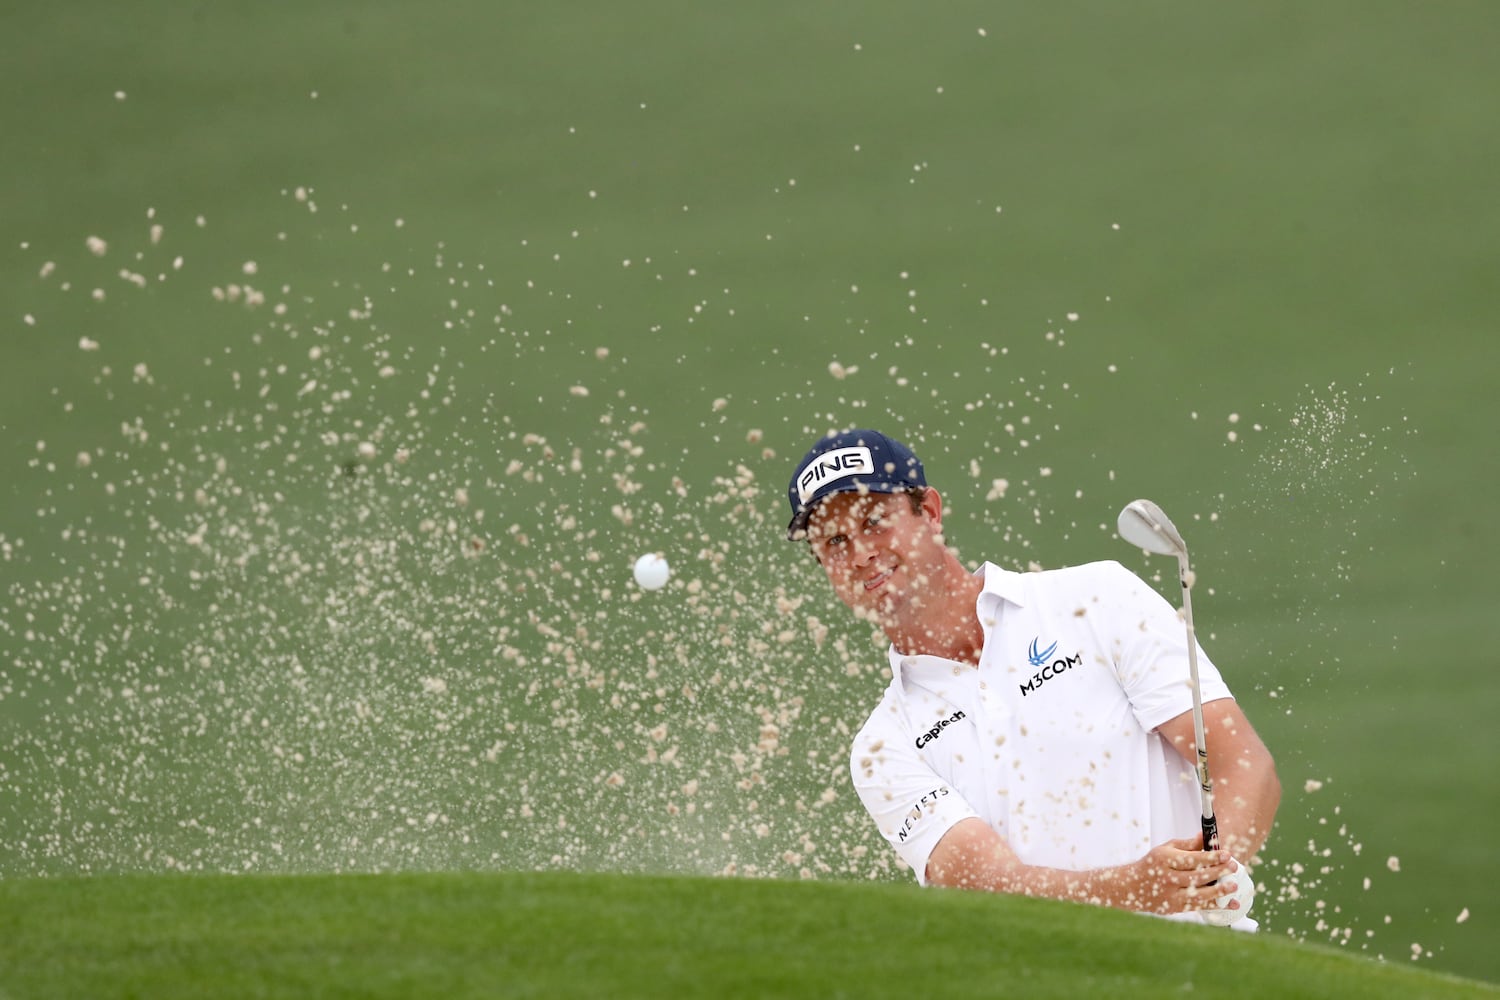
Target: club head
(1145, 525)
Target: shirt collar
(1004, 584)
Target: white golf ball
(1244, 891)
(651, 571)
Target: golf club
(1144, 524)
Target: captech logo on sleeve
(937, 730)
(834, 465)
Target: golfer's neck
(947, 627)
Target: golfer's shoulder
(1102, 590)
(885, 726)
(1082, 576)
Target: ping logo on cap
(832, 466)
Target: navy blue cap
(857, 461)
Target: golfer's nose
(862, 550)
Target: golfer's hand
(1178, 876)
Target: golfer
(1036, 736)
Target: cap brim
(796, 531)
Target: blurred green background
(586, 278)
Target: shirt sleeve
(1151, 655)
(912, 806)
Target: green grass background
(531, 935)
(1281, 212)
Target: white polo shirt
(1051, 740)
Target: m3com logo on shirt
(1051, 668)
(1038, 658)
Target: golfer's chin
(878, 604)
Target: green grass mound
(551, 935)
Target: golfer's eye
(835, 542)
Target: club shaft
(1205, 784)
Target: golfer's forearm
(1246, 789)
(1101, 886)
(1245, 805)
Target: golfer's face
(874, 548)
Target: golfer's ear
(932, 506)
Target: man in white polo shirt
(1036, 736)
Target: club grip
(1210, 833)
